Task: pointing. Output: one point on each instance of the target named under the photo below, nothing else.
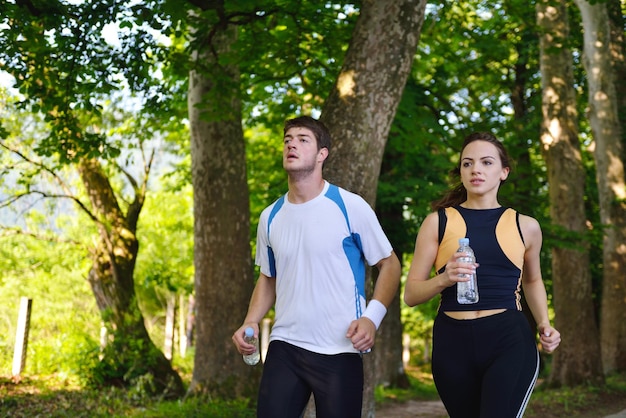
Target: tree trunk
(388, 353)
(360, 109)
(576, 361)
(618, 53)
(389, 367)
(604, 118)
(223, 265)
(526, 180)
(131, 354)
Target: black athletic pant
(291, 374)
(485, 367)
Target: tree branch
(68, 193)
(6, 231)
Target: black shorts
(485, 367)
(291, 374)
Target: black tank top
(496, 238)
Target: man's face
(300, 153)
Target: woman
(485, 360)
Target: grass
(56, 397)
(583, 401)
(421, 387)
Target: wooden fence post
(169, 327)
(265, 336)
(182, 334)
(21, 336)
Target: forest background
(141, 140)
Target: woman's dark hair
(318, 128)
(458, 194)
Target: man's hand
(242, 346)
(362, 333)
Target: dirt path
(411, 409)
(435, 409)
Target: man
(312, 246)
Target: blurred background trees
(140, 142)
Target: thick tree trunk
(618, 54)
(223, 265)
(576, 361)
(604, 118)
(526, 180)
(360, 109)
(131, 354)
(389, 367)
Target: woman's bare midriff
(473, 314)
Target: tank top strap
(454, 228)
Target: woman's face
(481, 168)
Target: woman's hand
(549, 337)
(459, 271)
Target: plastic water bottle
(253, 358)
(467, 292)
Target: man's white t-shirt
(319, 277)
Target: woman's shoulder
(430, 223)
(530, 226)
(432, 217)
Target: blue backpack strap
(270, 253)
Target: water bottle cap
(249, 332)
(463, 241)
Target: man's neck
(303, 190)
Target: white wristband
(375, 311)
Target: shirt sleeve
(262, 245)
(365, 223)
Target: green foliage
(165, 233)
(476, 69)
(569, 401)
(197, 408)
(267, 180)
(56, 397)
(64, 319)
(66, 70)
(421, 387)
(303, 48)
(164, 270)
(418, 324)
(134, 363)
(414, 168)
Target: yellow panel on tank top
(509, 238)
(450, 241)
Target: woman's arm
(532, 282)
(420, 287)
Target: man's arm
(262, 300)
(362, 332)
